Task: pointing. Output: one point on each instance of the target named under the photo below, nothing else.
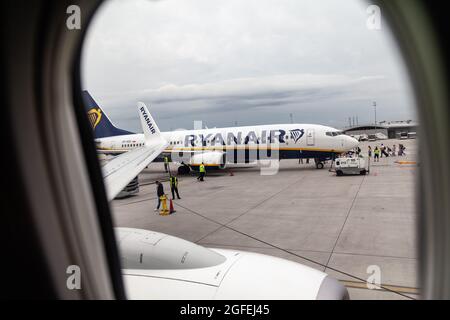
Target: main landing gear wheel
(183, 170)
(319, 165)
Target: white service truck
(350, 166)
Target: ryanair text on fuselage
(230, 138)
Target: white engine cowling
(159, 266)
(215, 159)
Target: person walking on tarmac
(376, 154)
(174, 186)
(166, 163)
(159, 193)
(202, 172)
(384, 151)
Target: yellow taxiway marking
(363, 285)
(406, 162)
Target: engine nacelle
(159, 266)
(212, 159)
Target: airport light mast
(375, 110)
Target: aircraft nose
(351, 143)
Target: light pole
(375, 110)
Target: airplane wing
(118, 172)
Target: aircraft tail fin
(100, 122)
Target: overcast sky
(244, 61)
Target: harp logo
(297, 134)
(94, 115)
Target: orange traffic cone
(171, 209)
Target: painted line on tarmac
(363, 285)
(292, 253)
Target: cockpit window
(334, 133)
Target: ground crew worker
(369, 152)
(166, 163)
(202, 172)
(401, 150)
(174, 186)
(383, 151)
(376, 154)
(159, 193)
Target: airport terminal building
(391, 129)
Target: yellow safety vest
(202, 168)
(174, 181)
(166, 160)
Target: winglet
(151, 130)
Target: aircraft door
(310, 137)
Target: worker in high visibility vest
(202, 172)
(166, 163)
(174, 186)
(376, 154)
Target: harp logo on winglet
(147, 120)
(94, 116)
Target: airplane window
(276, 69)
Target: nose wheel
(319, 164)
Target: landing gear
(184, 169)
(319, 164)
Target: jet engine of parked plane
(211, 159)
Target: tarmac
(346, 226)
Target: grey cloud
(252, 61)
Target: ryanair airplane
(222, 147)
(182, 269)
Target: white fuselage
(290, 140)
